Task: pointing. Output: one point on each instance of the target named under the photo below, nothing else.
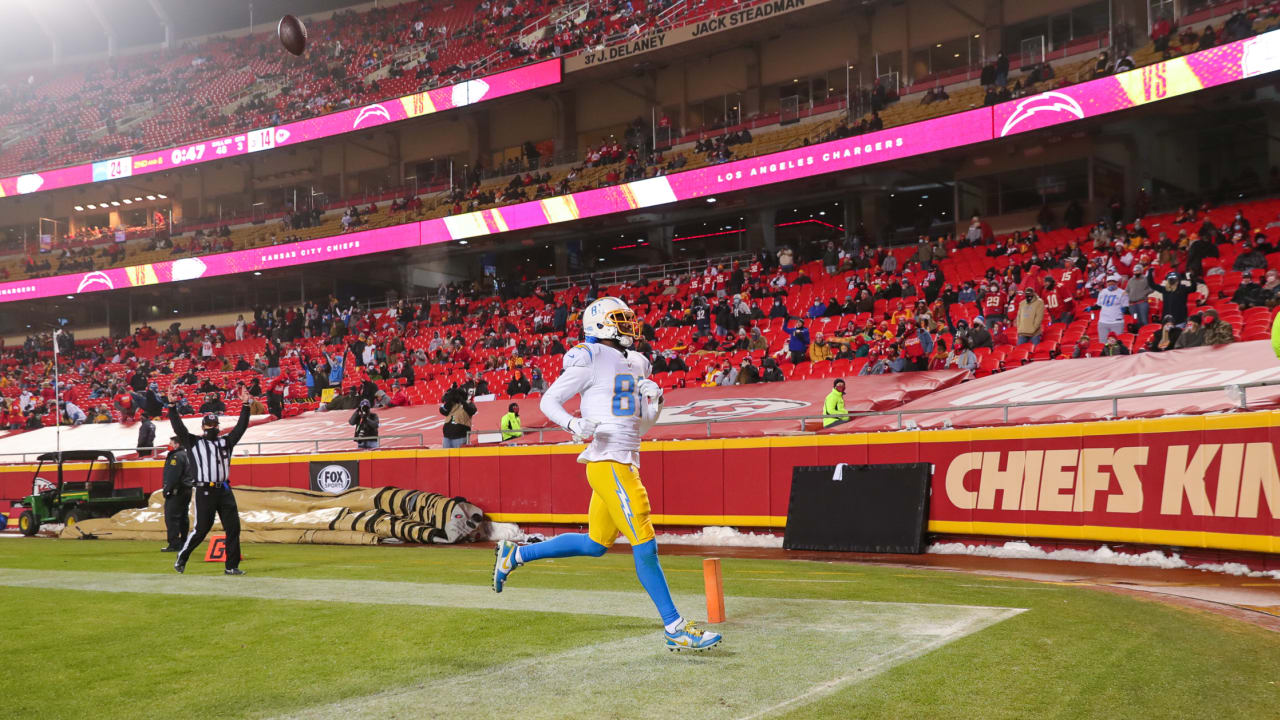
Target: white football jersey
(606, 379)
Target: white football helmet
(608, 318)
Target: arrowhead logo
(1051, 102)
(371, 111)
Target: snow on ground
(722, 537)
(1103, 555)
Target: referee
(210, 457)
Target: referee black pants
(211, 500)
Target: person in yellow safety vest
(1275, 334)
(833, 408)
(511, 422)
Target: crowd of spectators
(836, 305)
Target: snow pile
(1103, 555)
(723, 537)
(495, 531)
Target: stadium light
(257, 273)
(137, 199)
(115, 203)
(711, 201)
(91, 207)
(127, 201)
(79, 208)
(162, 197)
(151, 197)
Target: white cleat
(691, 637)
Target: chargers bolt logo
(1050, 102)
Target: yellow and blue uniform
(619, 504)
(619, 405)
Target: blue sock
(654, 582)
(567, 545)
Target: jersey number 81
(624, 395)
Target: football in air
(293, 34)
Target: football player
(619, 405)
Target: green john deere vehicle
(63, 501)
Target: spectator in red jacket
(993, 303)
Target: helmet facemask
(625, 325)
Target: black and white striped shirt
(211, 459)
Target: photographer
(458, 408)
(366, 422)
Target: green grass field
(107, 629)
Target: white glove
(649, 389)
(582, 428)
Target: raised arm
(242, 424)
(179, 428)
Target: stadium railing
(642, 272)
(7, 458)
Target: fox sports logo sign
(333, 479)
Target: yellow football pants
(619, 504)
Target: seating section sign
(663, 38)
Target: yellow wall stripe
(1102, 533)
(771, 521)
